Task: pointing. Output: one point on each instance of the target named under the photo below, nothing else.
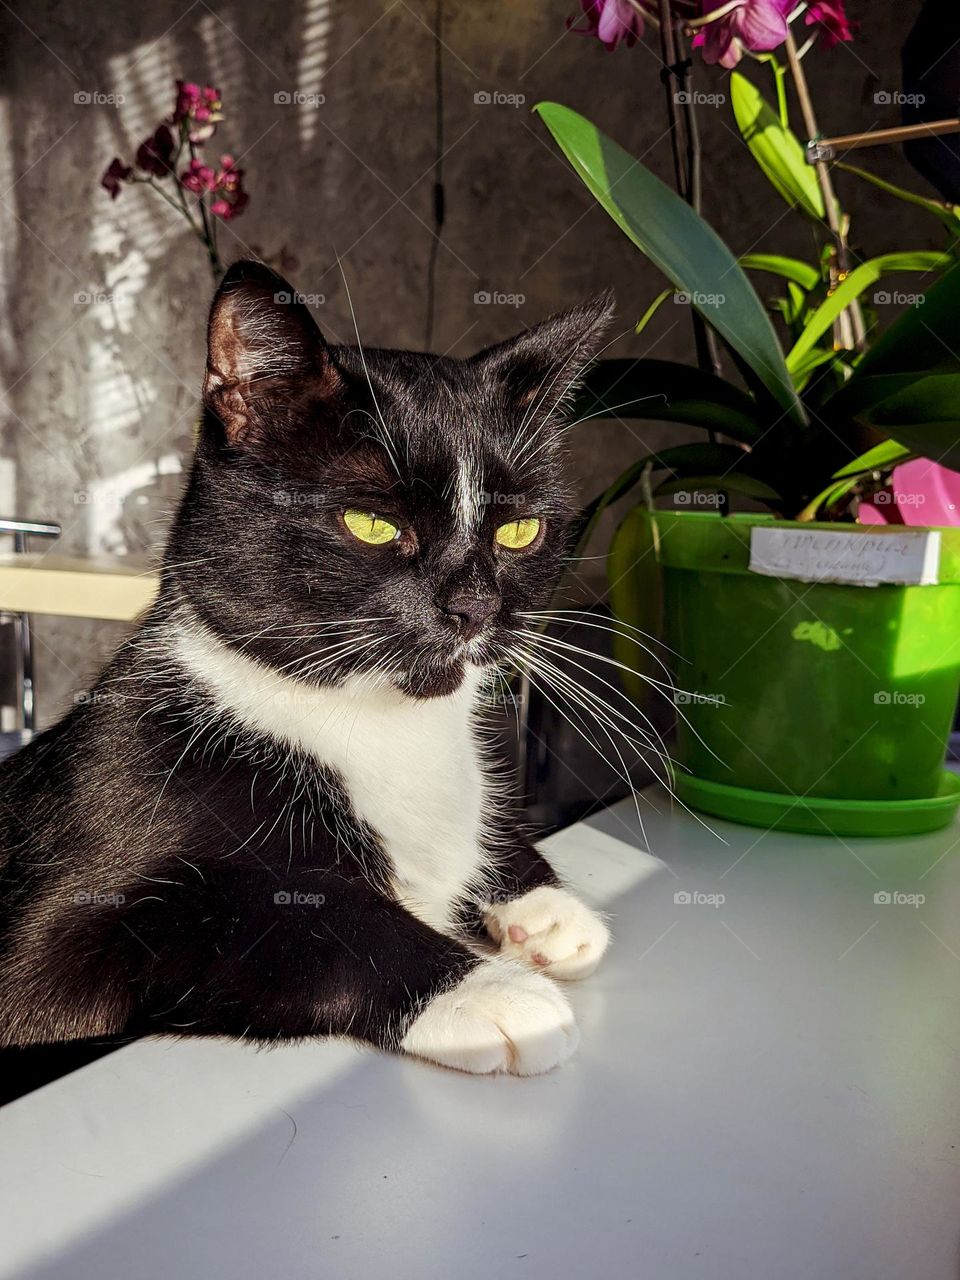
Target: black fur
(151, 852)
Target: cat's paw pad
(550, 929)
(501, 1017)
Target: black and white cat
(274, 816)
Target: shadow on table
(367, 1169)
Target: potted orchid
(818, 649)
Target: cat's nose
(471, 613)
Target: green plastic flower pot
(810, 706)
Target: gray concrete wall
(101, 335)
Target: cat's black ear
(543, 366)
(262, 344)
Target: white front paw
(551, 929)
(501, 1017)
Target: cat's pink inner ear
(263, 345)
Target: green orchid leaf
(652, 310)
(722, 461)
(922, 338)
(812, 361)
(831, 494)
(775, 148)
(850, 289)
(737, 482)
(924, 418)
(858, 396)
(685, 247)
(793, 269)
(882, 455)
(662, 391)
(948, 214)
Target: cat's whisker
(535, 404)
(583, 618)
(649, 737)
(650, 734)
(526, 663)
(326, 653)
(590, 614)
(650, 741)
(385, 438)
(657, 685)
(668, 763)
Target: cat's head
(354, 510)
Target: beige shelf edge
(76, 586)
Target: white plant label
(909, 558)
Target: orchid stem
(208, 237)
(849, 330)
(686, 165)
(779, 77)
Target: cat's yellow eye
(369, 527)
(517, 534)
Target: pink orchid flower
(831, 21)
(198, 108)
(155, 154)
(233, 199)
(727, 27)
(920, 492)
(198, 177)
(612, 21)
(115, 175)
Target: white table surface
(767, 1088)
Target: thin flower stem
(179, 206)
(208, 235)
(686, 164)
(637, 7)
(693, 23)
(779, 77)
(849, 330)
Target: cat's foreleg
(533, 918)
(335, 957)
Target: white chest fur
(411, 768)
